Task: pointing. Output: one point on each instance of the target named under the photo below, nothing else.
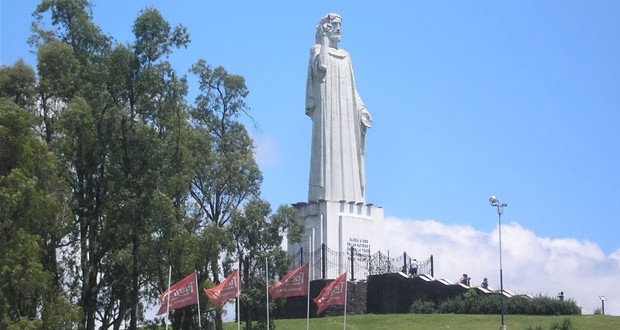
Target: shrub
(262, 325)
(564, 325)
(423, 307)
(473, 303)
(538, 327)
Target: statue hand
(326, 28)
(366, 118)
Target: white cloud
(531, 264)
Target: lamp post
(602, 298)
(500, 209)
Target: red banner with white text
(335, 293)
(293, 284)
(181, 294)
(228, 289)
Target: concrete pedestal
(340, 226)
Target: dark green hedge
(473, 303)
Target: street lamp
(603, 299)
(500, 209)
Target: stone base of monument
(334, 231)
(297, 307)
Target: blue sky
(469, 99)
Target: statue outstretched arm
(323, 56)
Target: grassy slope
(446, 321)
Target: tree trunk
(135, 285)
(216, 279)
(89, 273)
(246, 278)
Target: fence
(326, 263)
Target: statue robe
(338, 136)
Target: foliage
(109, 178)
(423, 307)
(29, 219)
(566, 324)
(256, 239)
(471, 302)
(228, 175)
(538, 327)
(18, 83)
(262, 325)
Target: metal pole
(346, 290)
(267, 288)
(168, 296)
(308, 298)
(501, 275)
(500, 209)
(323, 260)
(198, 300)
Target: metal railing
(326, 263)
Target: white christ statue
(339, 120)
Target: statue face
(334, 30)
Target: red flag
(181, 294)
(228, 289)
(293, 284)
(333, 294)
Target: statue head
(329, 27)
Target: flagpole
(238, 315)
(267, 288)
(168, 295)
(345, 301)
(238, 302)
(198, 300)
(308, 302)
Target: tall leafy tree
(30, 204)
(117, 117)
(231, 176)
(153, 120)
(72, 93)
(227, 176)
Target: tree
(18, 83)
(116, 116)
(146, 174)
(75, 27)
(152, 155)
(226, 174)
(257, 238)
(74, 95)
(222, 183)
(29, 214)
(59, 78)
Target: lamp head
(493, 200)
